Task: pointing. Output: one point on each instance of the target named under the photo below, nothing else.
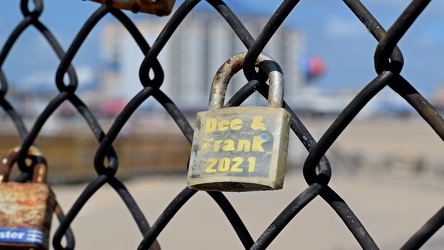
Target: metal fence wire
(388, 62)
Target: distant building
(201, 44)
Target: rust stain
(26, 205)
(159, 7)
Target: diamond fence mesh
(388, 62)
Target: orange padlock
(25, 208)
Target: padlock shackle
(40, 167)
(236, 63)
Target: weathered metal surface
(241, 149)
(236, 63)
(157, 7)
(25, 215)
(25, 208)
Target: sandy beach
(389, 195)
(391, 209)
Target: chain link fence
(388, 62)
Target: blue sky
(331, 31)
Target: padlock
(157, 7)
(25, 208)
(243, 148)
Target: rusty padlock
(25, 208)
(241, 148)
(157, 7)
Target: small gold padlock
(25, 208)
(157, 7)
(241, 148)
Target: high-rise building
(191, 58)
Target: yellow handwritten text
(225, 164)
